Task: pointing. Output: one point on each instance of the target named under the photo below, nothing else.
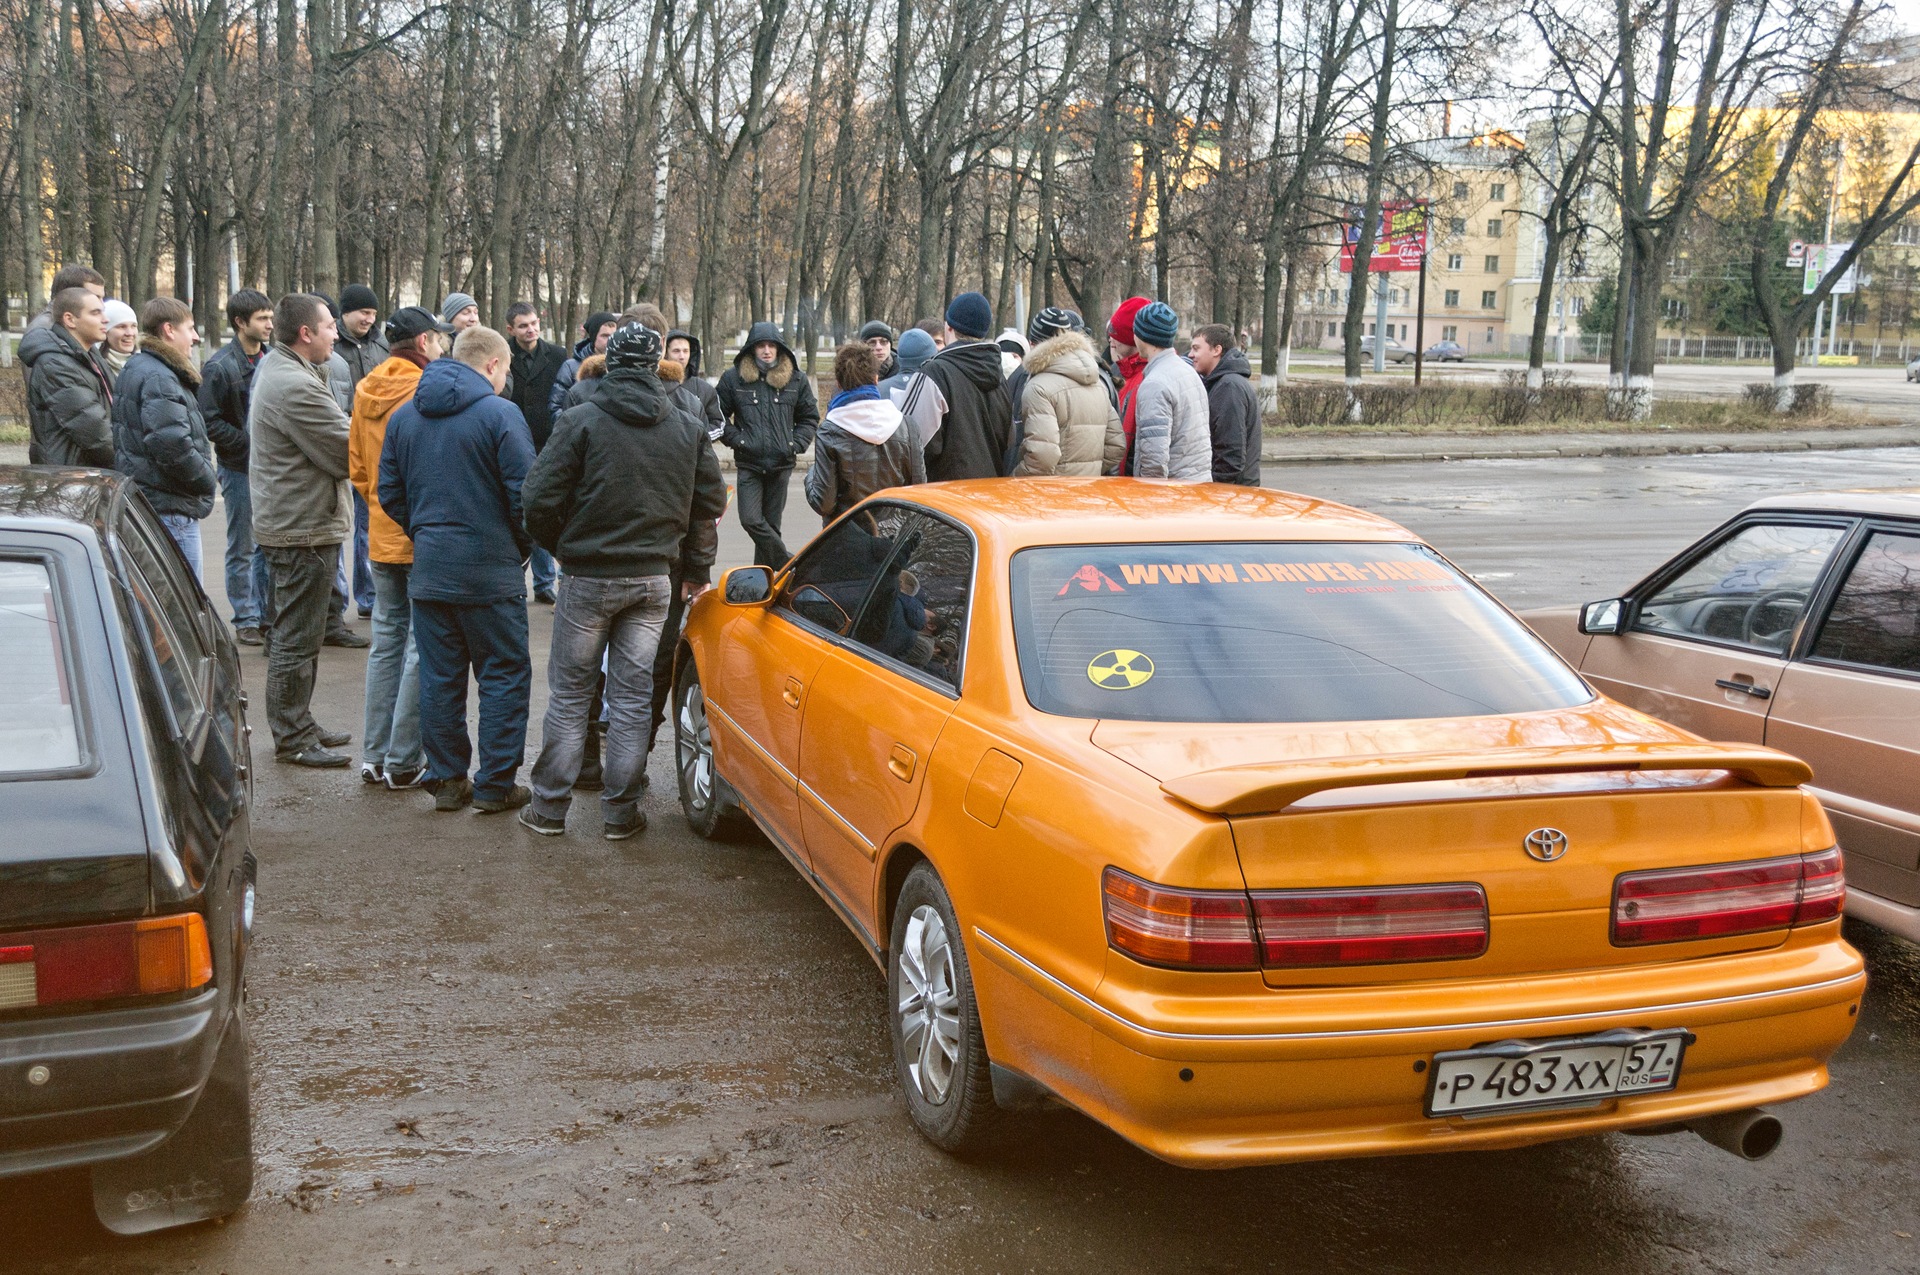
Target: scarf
(1129, 370)
(854, 395)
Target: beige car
(1795, 625)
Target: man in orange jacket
(391, 750)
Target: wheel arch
(900, 860)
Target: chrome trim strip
(807, 790)
(752, 743)
(1502, 1023)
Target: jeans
(491, 639)
(663, 663)
(762, 495)
(247, 588)
(300, 600)
(363, 590)
(546, 572)
(390, 736)
(619, 619)
(186, 534)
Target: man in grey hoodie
(1172, 436)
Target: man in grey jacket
(302, 513)
(1172, 436)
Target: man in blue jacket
(450, 475)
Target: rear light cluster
(150, 957)
(1728, 899)
(1292, 929)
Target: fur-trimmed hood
(592, 368)
(672, 372)
(1069, 354)
(784, 363)
(182, 367)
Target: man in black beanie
(361, 343)
(594, 333)
(958, 402)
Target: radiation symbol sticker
(1120, 670)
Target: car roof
(32, 496)
(1897, 502)
(1048, 511)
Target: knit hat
(1011, 342)
(597, 320)
(915, 348)
(1051, 322)
(358, 296)
(119, 312)
(875, 327)
(1156, 325)
(1120, 326)
(454, 304)
(410, 321)
(970, 315)
(633, 346)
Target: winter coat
(340, 380)
(696, 395)
(592, 370)
(694, 364)
(905, 365)
(1070, 423)
(628, 485)
(159, 436)
(361, 356)
(381, 393)
(1233, 412)
(297, 470)
(1171, 438)
(69, 401)
(865, 445)
(451, 468)
(534, 372)
(115, 362)
(960, 406)
(226, 390)
(771, 414)
(564, 379)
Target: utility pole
(1380, 323)
(1828, 307)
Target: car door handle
(791, 693)
(1745, 688)
(901, 762)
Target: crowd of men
(420, 469)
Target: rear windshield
(1271, 633)
(37, 726)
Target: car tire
(940, 1055)
(708, 801)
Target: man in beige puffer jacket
(1070, 422)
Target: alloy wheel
(929, 1008)
(696, 748)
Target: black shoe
(345, 637)
(372, 772)
(517, 796)
(316, 758)
(335, 739)
(542, 824)
(249, 636)
(621, 831)
(452, 794)
(366, 613)
(401, 780)
(591, 777)
(543, 595)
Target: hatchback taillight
(1678, 904)
(1192, 929)
(150, 957)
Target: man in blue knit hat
(958, 403)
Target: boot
(590, 778)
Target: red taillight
(1370, 927)
(151, 957)
(1193, 929)
(1728, 899)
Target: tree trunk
(206, 33)
(278, 232)
(99, 149)
(33, 242)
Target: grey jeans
(620, 620)
(302, 594)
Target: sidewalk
(1330, 449)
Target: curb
(1272, 456)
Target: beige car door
(1852, 710)
(1707, 646)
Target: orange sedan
(1247, 825)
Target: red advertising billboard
(1399, 242)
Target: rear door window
(1875, 620)
(1748, 590)
(917, 614)
(1257, 632)
(39, 728)
(167, 632)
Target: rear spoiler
(1271, 786)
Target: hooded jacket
(226, 390)
(865, 445)
(968, 437)
(699, 386)
(1233, 412)
(451, 467)
(382, 392)
(297, 467)
(1070, 423)
(159, 436)
(582, 351)
(628, 485)
(1172, 438)
(69, 401)
(534, 372)
(770, 413)
(910, 354)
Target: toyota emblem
(1546, 844)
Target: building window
(1459, 190)
(1498, 192)
(1676, 308)
(1907, 232)
(1453, 296)
(1489, 299)
(1579, 306)
(1451, 332)
(1456, 261)
(1493, 263)
(1494, 228)
(1458, 225)
(1489, 337)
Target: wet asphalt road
(480, 1051)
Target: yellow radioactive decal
(1119, 670)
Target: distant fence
(1584, 348)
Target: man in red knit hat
(1128, 365)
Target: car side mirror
(747, 586)
(1604, 617)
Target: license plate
(1529, 1075)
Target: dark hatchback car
(126, 877)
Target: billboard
(1822, 257)
(1399, 241)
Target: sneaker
(621, 831)
(372, 772)
(543, 595)
(345, 637)
(542, 824)
(403, 779)
(249, 636)
(516, 797)
(453, 794)
(316, 758)
(334, 739)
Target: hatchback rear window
(38, 729)
(1263, 632)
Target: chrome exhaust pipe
(1751, 1134)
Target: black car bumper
(118, 1082)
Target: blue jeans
(490, 638)
(248, 586)
(390, 737)
(186, 534)
(546, 572)
(363, 590)
(620, 620)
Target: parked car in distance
(1247, 825)
(1446, 352)
(126, 877)
(1396, 352)
(1913, 368)
(1796, 624)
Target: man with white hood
(864, 445)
